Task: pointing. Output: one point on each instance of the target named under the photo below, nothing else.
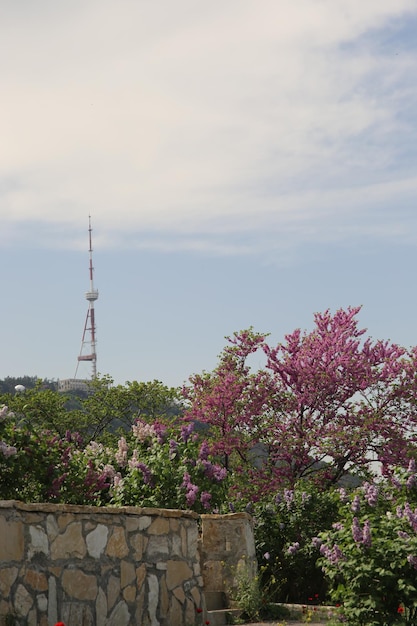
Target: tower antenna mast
(89, 334)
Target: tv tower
(89, 334)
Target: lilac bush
(284, 528)
(166, 466)
(370, 556)
(162, 465)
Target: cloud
(204, 120)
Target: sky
(244, 164)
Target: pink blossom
(4, 413)
(121, 454)
(367, 539)
(142, 430)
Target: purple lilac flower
(293, 548)
(371, 493)
(411, 516)
(7, 450)
(396, 482)
(412, 560)
(411, 481)
(121, 454)
(160, 430)
(4, 413)
(214, 471)
(147, 474)
(205, 499)
(357, 532)
(317, 542)
(334, 555)
(103, 481)
(403, 535)
(356, 504)
(186, 431)
(109, 471)
(94, 447)
(191, 489)
(367, 539)
(173, 447)
(343, 495)
(411, 466)
(288, 496)
(55, 489)
(267, 556)
(204, 451)
(133, 462)
(142, 430)
(118, 481)
(191, 495)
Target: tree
(109, 408)
(326, 404)
(343, 402)
(39, 407)
(231, 401)
(100, 414)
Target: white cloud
(193, 117)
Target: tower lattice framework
(89, 339)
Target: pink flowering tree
(340, 402)
(230, 404)
(327, 403)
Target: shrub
(370, 555)
(283, 532)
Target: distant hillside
(8, 384)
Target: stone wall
(89, 566)
(227, 547)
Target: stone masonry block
(11, 541)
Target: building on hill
(73, 384)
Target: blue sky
(243, 164)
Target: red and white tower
(89, 334)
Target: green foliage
(283, 532)
(27, 462)
(8, 384)
(154, 465)
(110, 410)
(167, 466)
(101, 415)
(39, 408)
(247, 593)
(370, 556)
